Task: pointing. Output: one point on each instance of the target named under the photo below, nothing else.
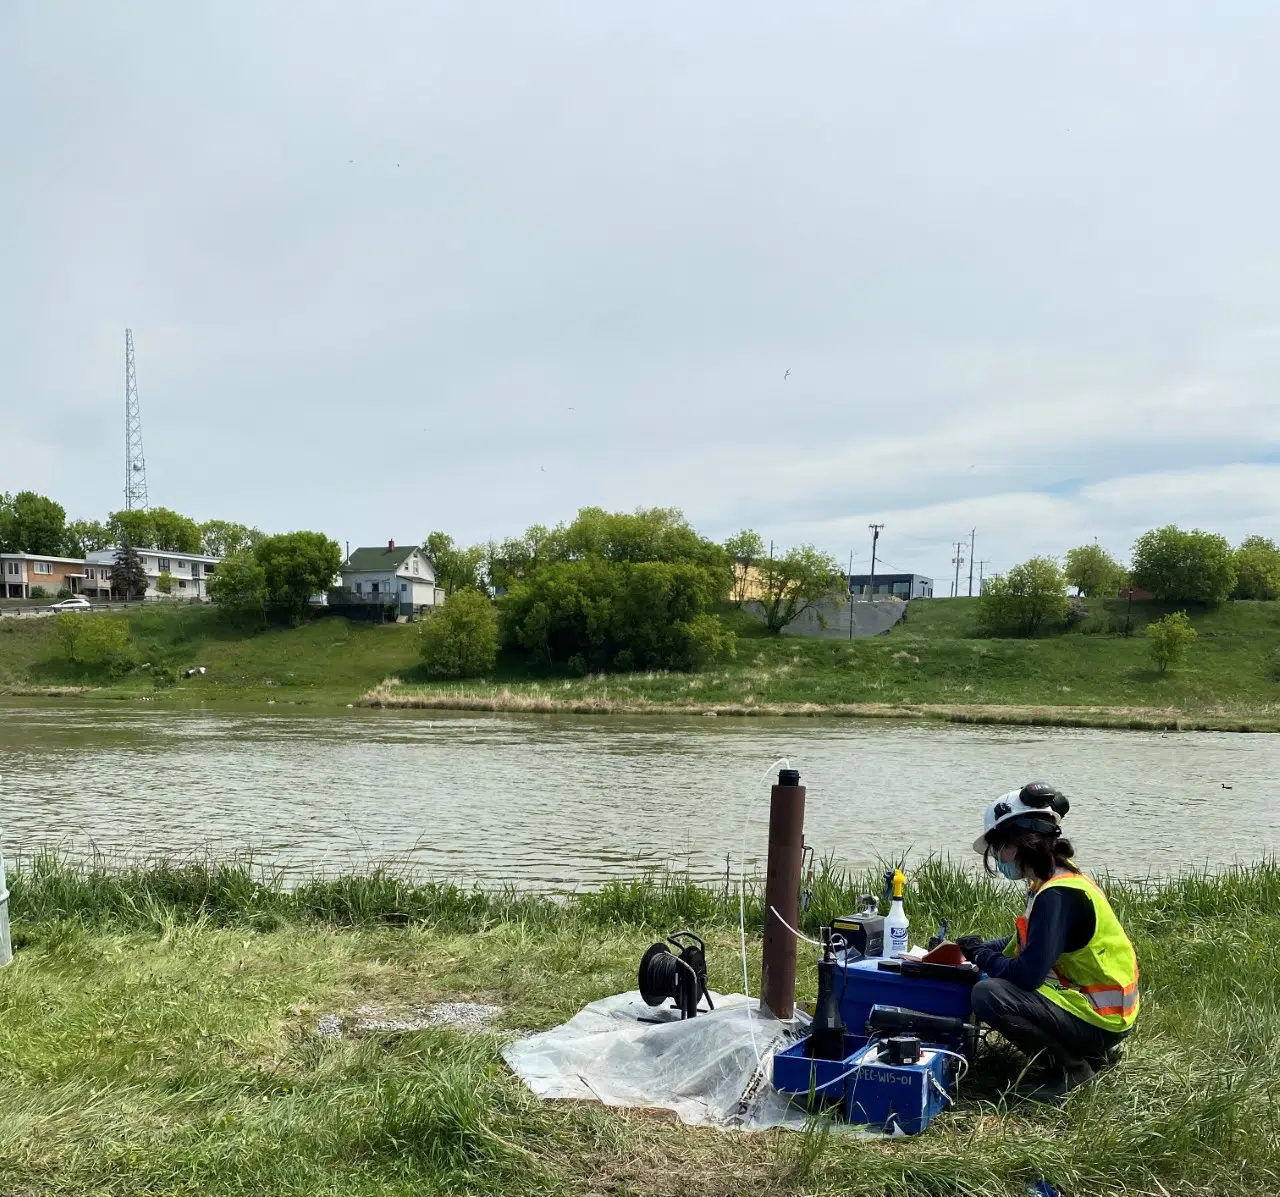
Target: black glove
(969, 945)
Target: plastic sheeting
(622, 1052)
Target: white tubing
(6, 946)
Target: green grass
(326, 661)
(937, 659)
(157, 1035)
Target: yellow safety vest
(1098, 983)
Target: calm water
(562, 802)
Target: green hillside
(1231, 675)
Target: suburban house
(20, 573)
(903, 586)
(387, 574)
(189, 571)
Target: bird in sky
(786, 376)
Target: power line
(972, 534)
(135, 464)
(981, 579)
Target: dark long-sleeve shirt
(1061, 921)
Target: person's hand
(969, 945)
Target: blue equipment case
(796, 1072)
(906, 1097)
(863, 984)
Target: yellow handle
(899, 880)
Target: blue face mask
(1010, 869)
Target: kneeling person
(1064, 988)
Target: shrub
(239, 587)
(92, 640)
(1184, 567)
(37, 592)
(1169, 638)
(597, 614)
(164, 583)
(615, 592)
(1031, 596)
(1257, 562)
(461, 638)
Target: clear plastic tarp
(712, 1070)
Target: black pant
(1035, 1026)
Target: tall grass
(236, 890)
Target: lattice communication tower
(135, 464)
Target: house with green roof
(391, 574)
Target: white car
(72, 604)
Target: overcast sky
(393, 267)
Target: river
(561, 802)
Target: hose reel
(679, 975)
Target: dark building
(903, 586)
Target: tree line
(1172, 564)
(34, 523)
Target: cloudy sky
(393, 267)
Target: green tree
(85, 639)
(514, 559)
(460, 639)
(1031, 596)
(1184, 567)
(84, 536)
(221, 538)
(164, 583)
(1257, 562)
(32, 523)
(174, 533)
(456, 568)
(128, 578)
(802, 578)
(745, 551)
(1093, 571)
(1169, 638)
(598, 614)
(239, 586)
(132, 527)
(295, 566)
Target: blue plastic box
(903, 1097)
(795, 1072)
(864, 984)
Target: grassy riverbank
(158, 1033)
(935, 666)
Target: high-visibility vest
(1099, 982)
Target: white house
(390, 574)
(189, 571)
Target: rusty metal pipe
(782, 893)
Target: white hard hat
(1036, 803)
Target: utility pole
(971, 536)
(957, 561)
(135, 465)
(850, 594)
(871, 585)
(981, 579)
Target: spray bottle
(896, 923)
